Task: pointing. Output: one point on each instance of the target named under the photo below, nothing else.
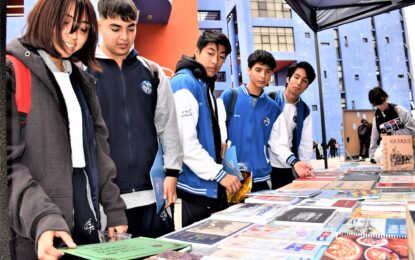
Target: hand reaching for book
(303, 169)
(231, 183)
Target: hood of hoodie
(198, 70)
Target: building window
(270, 9)
(325, 43)
(365, 39)
(274, 39)
(401, 76)
(208, 15)
(325, 74)
(201, 31)
(346, 42)
(221, 76)
(307, 35)
(387, 39)
(356, 77)
(314, 107)
(15, 8)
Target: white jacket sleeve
(222, 120)
(195, 156)
(280, 148)
(165, 120)
(305, 150)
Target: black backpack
(362, 131)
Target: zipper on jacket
(127, 120)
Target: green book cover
(125, 249)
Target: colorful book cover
(223, 253)
(291, 233)
(340, 204)
(410, 224)
(157, 176)
(397, 197)
(363, 247)
(305, 216)
(398, 152)
(272, 246)
(395, 185)
(207, 232)
(255, 213)
(349, 185)
(383, 227)
(134, 248)
(349, 194)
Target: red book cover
(346, 203)
(398, 185)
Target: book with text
(380, 227)
(126, 249)
(207, 232)
(339, 204)
(307, 185)
(304, 216)
(272, 246)
(398, 152)
(291, 233)
(255, 213)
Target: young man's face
(297, 83)
(259, 75)
(212, 56)
(118, 36)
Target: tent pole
(4, 220)
(320, 94)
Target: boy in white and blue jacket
(202, 184)
(252, 118)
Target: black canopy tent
(323, 14)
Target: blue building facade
(354, 57)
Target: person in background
(58, 161)
(364, 132)
(252, 118)
(290, 155)
(138, 107)
(403, 123)
(202, 184)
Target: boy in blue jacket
(252, 118)
(202, 184)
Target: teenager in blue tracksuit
(202, 184)
(252, 119)
(290, 154)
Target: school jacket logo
(267, 121)
(146, 87)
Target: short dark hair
(311, 74)
(263, 57)
(46, 22)
(125, 9)
(216, 37)
(377, 96)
